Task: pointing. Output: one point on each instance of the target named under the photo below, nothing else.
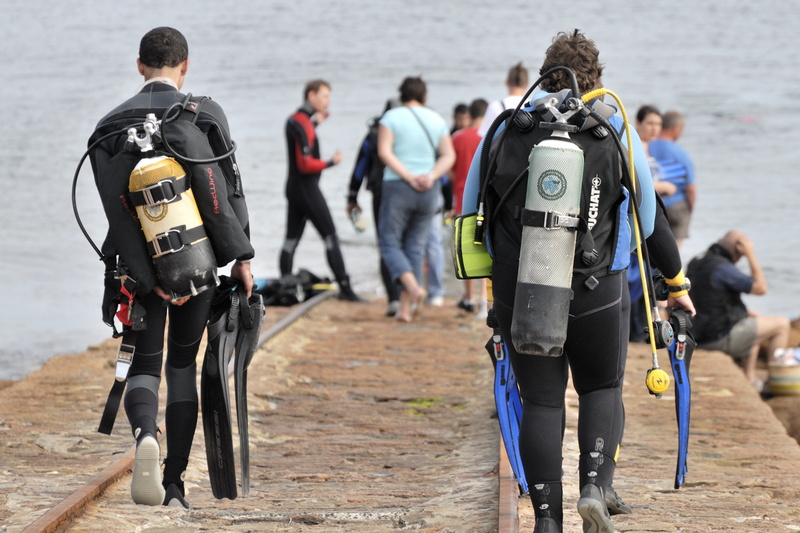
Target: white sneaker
(436, 301)
(483, 310)
(146, 488)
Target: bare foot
(418, 302)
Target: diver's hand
(683, 302)
(351, 207)
(165, 295)
(241, 271)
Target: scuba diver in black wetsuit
(198, 129)
(595, 298)
(302, 186)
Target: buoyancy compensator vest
(571, 219)
(160, 190)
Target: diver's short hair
(580, 55)
(314, 86)
(163, 47)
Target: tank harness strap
(192, 106)
(174, 240)
(556, 220)
(124, 360)
(165, 191)
(549, 219)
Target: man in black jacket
(723, 322)
(196, 128)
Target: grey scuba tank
(550, 219)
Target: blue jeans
(405, 219)
(435, 255)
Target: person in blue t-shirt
(676, 168)
(414, 144)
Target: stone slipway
(360, 424)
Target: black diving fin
(223, 327)
(251, 318)
(234, 326)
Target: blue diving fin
(251, 319)
(223, 328)
(507, 400)
(680, 356)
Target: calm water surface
(729, 66)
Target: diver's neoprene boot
(174, 497)
(346, 292)
(146, 488)
(546, 525)
(593, 510)
(174, 470)
(614, 503)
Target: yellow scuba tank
(550, 219)
(173, 228)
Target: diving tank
(176, 240)
(544, 280)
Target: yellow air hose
(657, 380)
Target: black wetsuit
(201, 132)
(305, 200)
(597, 328)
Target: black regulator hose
(88, 151)
(166, 120)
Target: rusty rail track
(59, 517)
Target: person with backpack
(368, 170)
(198, 129)
(596, 303)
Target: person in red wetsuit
(302, 186)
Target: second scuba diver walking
(305, 200)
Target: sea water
(730, 67)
